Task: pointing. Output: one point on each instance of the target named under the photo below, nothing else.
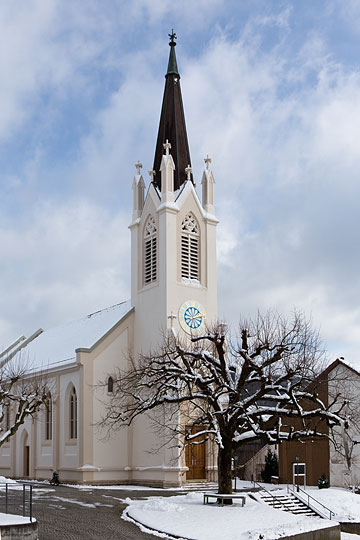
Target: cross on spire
(188, 172)
(167, 147)
(207, 161)
(138, 166)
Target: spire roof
(172, 125)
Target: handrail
(298, 488)
(268, 492)
(23, 501)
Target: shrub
(323, 482)
(271, 467)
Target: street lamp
(297, 473)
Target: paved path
(67, 513)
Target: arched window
(48, 418)
(190, 244)
(7, 416)
(110, 385)
(73, 414)
(150, 249)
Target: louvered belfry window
(150, 251)
(190, 241)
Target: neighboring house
(311, 458)
(173, 269)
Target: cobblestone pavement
(66, 513)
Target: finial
(138, 166)
(152, 174)
(172, 37)
(188, 171)
(167, 147)
(207, 161)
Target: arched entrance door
(25, 446)
(195, 458)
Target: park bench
(223, 497)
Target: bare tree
(21, 395)
(254, 388)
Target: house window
(150, 250)
(110, 385)
(48, 418)
(190, 243)
(73, 414)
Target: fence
(17, 499)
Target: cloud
(69, 258)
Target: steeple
(172, 127)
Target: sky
(271, 92)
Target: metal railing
(274, 497)
(295, 489)
(17, 499)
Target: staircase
(288, 503)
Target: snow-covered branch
(263, 386)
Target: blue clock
(192, 317)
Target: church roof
(172, 125)
(56, 347)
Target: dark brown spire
(172, 124)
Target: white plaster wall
(68, 449)
(345, 381)
(110, 455)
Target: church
(173, 288)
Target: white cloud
(67, 259)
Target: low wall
(329, 533)
(350, 527)
(28, 531)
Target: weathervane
(172, 37)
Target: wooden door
(195, 458)
(26, 460)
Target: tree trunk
(224, 468)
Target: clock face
(192, 317)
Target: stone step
(288, 503)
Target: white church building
(173, 273)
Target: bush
(323, 482)
(271, 467)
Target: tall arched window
(7, 416)
(190, 247)
(110, 385)
(73, 414)
(150, 249)
(48, 418)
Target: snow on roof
(56, 347)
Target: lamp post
(297, 473)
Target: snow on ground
(343, 502)
(12, 519)
(124, 487)
(4, 480)
(186, 516)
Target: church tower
(173, 243)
